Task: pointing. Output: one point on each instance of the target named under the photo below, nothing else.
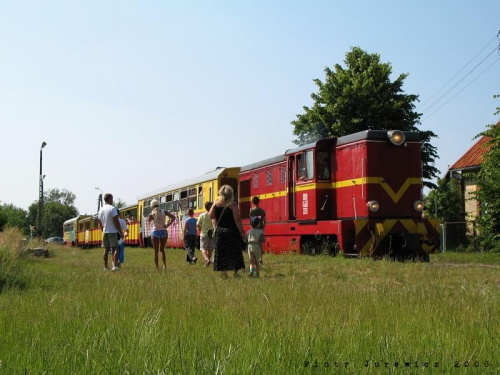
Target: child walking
(255, 239)
(190, 237)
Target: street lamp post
(99, 200)
(40, 196)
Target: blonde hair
(156, 212)
(226, 195)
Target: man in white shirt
(110, 225)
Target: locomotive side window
(269, 178)
(306, 165)
(323, 165)
(255, 180)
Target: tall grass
(305, 315)
(11, 248)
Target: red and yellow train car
(130, 215)
(359, 195)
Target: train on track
(358, 195)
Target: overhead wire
(428, 108)
(449, 100)
(437, 101)
(452, 78)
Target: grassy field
(304, 315)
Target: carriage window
(323, 165)
(306, 165)
(192, 198)
(283, 175)
(177, 202)
(200, 197)
(269, 178)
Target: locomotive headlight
(396, 137)
(418, 206)
(373, 206)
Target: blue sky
(134, 95)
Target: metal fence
(458, 236)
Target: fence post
(443, 237)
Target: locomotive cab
(379, 187)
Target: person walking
(121, 241)
(207, 243)
(255, 239)
(190, 236)
(159, 234)
(229, 233)
(257, 211)
(111, 228)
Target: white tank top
(159, 222)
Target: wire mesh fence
(458, 236)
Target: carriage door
(291, 188)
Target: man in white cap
(111, 228)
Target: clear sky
(131, 96)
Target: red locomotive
(359, 195)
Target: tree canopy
(58, 207)
(488, 193)
(12, 216)
(362, 97)
(445, 202)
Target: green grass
(74, 318)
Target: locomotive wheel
(335, 250)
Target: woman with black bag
(207, 243)
(229, 233)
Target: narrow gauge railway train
(359, 195)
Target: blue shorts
(159, 234)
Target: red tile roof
(473, 157)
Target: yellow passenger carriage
(177, 198)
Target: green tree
(119, 203)
(488, 193)
(14, 217)
(362, 97)
(63, 196)
(58, 207)
(445, 202)
(3, 218)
